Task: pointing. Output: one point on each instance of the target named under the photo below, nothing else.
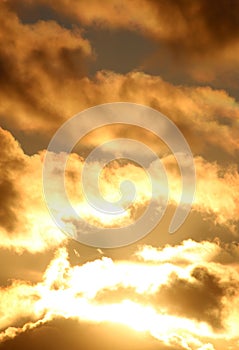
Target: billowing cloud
(220, 200)
(200, 113)
(182, 296)
(25, 221)
(216, 190)
(28, 224)
(44, 82)
(178, 304)
(201, 37)
(34, 61)
(191, 26)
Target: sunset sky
(166, 291)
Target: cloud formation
(28, 225)
(188, 298)
(25, 221)
(202, 37)
(184, 296)
(44, 78)
(191, 26)
(34, 60)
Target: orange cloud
(188, 26)
(220, 199)
(44, 82)
(35, 60)
(25, 221)
(27, 224)
(142, 303)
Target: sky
(165, 291)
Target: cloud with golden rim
(189, 303)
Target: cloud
(200, 113)
(219, 203)
(185, 296)
(200, 36)
(27, 224)
(179, 305)
(195, 26)
(73, 334)
(44, 78)
(34, 61)
(200, 299)
(188, 252)
(21, 311)
(216, 190)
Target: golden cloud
(184, 296)
(25, 221)
(190, 26)
(44, 82)
(35, 59)
(27, 224)
(197, 300)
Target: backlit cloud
(28, 225)
(187, 305)
(56, 60)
